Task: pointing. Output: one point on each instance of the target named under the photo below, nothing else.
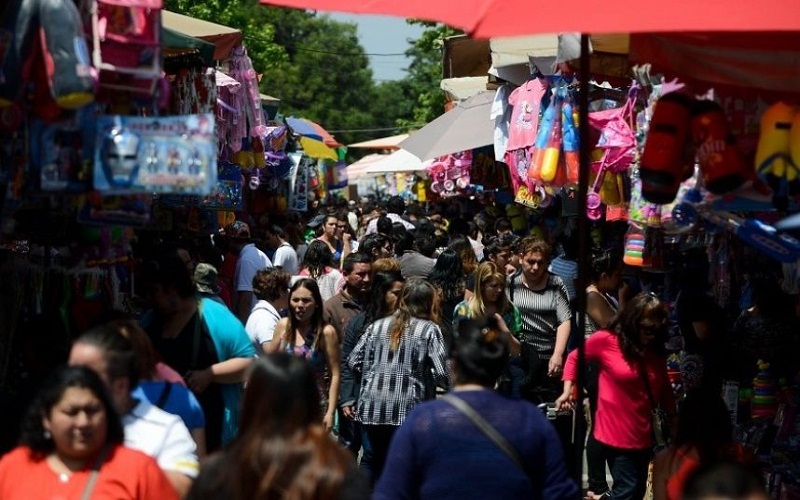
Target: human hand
(327, 421)
(199, 380)
(501, 323)
(555, 366)
(349, 411)
(565, 402)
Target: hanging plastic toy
(721, 163)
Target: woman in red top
(704, 436)
(71, 447)
(623, 423)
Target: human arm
(599, 309)
(437, 352)
(514, 345)
(347, 247)
(557, 359)
(277, 338)
(661, 473)
(178, 457)
(347, 391)
(199, 436)
(563, 315)
(332, 355)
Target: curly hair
(268, 284)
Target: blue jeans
(629, 472)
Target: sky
(383, 35)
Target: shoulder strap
(198, 333)
(90, 484)
(643, 375)
(487, 429)
(162, 399)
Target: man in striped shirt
(543, 303)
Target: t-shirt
(542, 311)
(261, 324)
(286, 257)
(624, 413)
(567, 270)
(501, 114)
(125, 474)
(251, 260)
(179, 401)
(162, 436)
(526, 100)
(416, 265)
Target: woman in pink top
(623, 423)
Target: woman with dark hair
(469, 261)
(439, 452)
(386, 288)
(305, 334)
(72, 447)
(281, 451)
(449, 278)
(318, 265)
(201, 339)
(332, 236)
(401, 359)
(632, 385)
(271, 288)
(602, 308)
(704, 436)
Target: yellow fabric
(317, 149)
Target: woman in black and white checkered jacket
(401, 358)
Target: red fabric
(624, 413)
(688, 464)
(126, 474)
(489, 18)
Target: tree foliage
(320, 71)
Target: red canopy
(491, 18)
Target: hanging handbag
(661, 433)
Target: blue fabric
(629, 472)
(231, 341)
(567, 270)
(181, 401)
(438, 453)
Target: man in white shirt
(251, 260)
(148, 429)
(285, 255)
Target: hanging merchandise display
(778, 152)
(668, 156)
(126, 45)
(251, 124)
(43, 44)
(175, 154)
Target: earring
(47, 434)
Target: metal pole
(583, 252)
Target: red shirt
(624, 412)
(126, 474)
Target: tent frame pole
(583, 255)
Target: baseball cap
(237, 229)
(316, 221)
(205, 278)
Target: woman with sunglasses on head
(305, 334)
(632, 385)
(72, 447)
